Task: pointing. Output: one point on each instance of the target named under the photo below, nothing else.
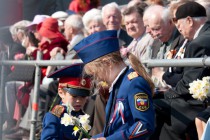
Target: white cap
(60, 15)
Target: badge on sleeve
(141, 101)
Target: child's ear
(61, 93)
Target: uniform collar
(115, 80)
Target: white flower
(67, 120)
(83, 119)
(86, 126)
(200, 89)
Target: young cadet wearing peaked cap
(73, 90)
(129, 110)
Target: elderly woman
(16, 52)
(92, 21)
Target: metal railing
(187, 62)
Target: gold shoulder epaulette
(132, 75)
(58, 110)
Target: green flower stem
(80, 136)
(53, 103)
(82, 129)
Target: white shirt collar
(73, 39)
(197, 32)
(115, 80)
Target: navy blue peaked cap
(74, 70)
(97, 45)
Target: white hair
(20, 26)
(199, 19)
(166, 15)
(158, 11)
(92, 15)
(112, 5)
(75, 21)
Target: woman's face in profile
(95, 26)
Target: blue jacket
(54, 130)
(133, 114)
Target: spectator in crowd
(157, 43)
(17, 52)
(52, 42)
(202, 118)
(172, 76)
(125, 117)
(158, 21)
(82, 6)
(141, 46)
(61, 16)
(162, 28)
(177, 112)
(73, 89)
(74, 34)
(112, 19)
(33, 25)
(20, 89)
(92, 21)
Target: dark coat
(182, 108)
(173, 77)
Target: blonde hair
(99, 65)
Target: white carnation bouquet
(81, 123)
(200, 89)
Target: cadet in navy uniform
(129, 110)
(72, 89)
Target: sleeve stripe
(136, 132)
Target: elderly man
(158, 22)
(161, 28)
(112, 19)
(74, 33)
(176, 113)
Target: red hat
(49, 28)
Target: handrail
(186, 62)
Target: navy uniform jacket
(54, 130)
(133, 114)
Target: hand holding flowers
(81, 124)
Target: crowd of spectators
(149, 29)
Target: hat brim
(77, 92)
